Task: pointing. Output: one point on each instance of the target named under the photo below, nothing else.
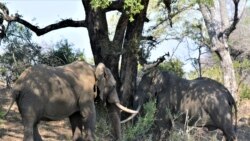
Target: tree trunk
(104, 51)
(125, 44)
(130, 57)
(128, 75)
(102, 48)
(228, 71)
(219, 28)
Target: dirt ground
(11, 129)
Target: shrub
(244, 91)
(143, 124)
(179, 132)
(212, 72)
(1, 113)
(174, 66)
(103, 125)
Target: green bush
(1, 113)
(143, 124)
(141, 130)
(179, 132)
(174, 66)
(212, 72)
(103, 125)
(244, 91)
(3, 71)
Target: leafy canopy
(132, 7)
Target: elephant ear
(100, 74)
(106, 84)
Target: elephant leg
(76, 126)
(223, 120)
(161, 127)
(114, 115)
(162, 123)
(29, 122)
(89, 118)
(37, 136)
(28, 130)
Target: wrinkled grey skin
(45, 93)
(202, 97)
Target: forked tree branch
(232, 27)
(40, 31)
(61, 24)
(116, 5)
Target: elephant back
(209, 85)
(80, 73)
(77, 76)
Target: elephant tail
(235, 112)
(233, 104)
(15, 95)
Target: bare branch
(55, 26)
(236, 19)
(151, 38)
(183, 9)
(154, 64)
(168, 6)
(171, 16)
(177, 46)
(39, 31)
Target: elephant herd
(44, 93)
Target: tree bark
(105, 51)
(219, 28)
(125, 44)
(130, 57)
(228, 72)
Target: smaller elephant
(206, 102)
(45, 93)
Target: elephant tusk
(126, 109)
(132, 116)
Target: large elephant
(206, 102)
(53, 93)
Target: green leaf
(95, 4)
